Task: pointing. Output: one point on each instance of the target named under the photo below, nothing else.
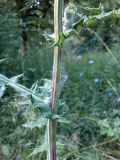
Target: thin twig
(104, 44)
(100, 144)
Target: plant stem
(58, 14)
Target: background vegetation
(90, 96)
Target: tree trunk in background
(23, 49)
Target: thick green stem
(58, 14)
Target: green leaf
(60, 41)
(104, 130)
(93, 19)
(60, 144)
(2, 90)
(15, 78)
(36, 123)
(49, 37)
(20, 88)
(50, 115)
(6, 150)
(63, 120)
(91, 16)
(3, 60)
(117, 122)
(37, 150)
(89, 11)
(110, 129)
(79, 22)
(69, 32)
(24, 102)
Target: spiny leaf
(92, 19)
(42, 148)
(3, 60)
(15, 78)
(35, 123)
(90, 16)
(20, 88)
(2, 89)
(37, 150)
(89, 11)
(49, 37)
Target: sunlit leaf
(20, 88)
(2, 90)
(3, 60)
(49, 37)
(15, 78)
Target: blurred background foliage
(91, 92)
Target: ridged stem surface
(58, 14)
